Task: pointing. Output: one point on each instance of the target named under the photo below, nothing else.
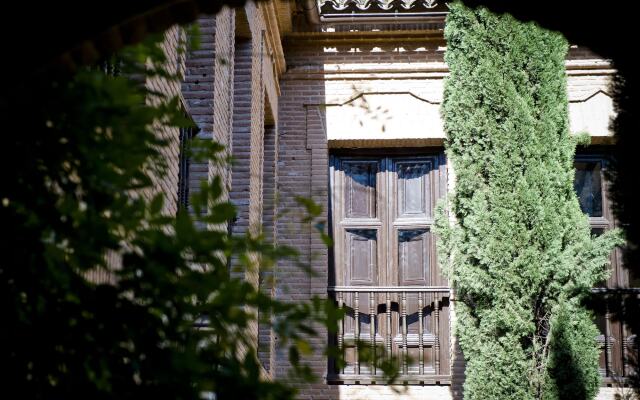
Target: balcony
(409, 324)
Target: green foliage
(520, 253)
(170, 323)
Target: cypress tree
(518, 249)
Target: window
(384, 269)
(186, 134)
(617, 343)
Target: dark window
(588, 186)
(186, 135)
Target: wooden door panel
(361, 269)
(361, 257)
(360, 188)
(414, 186)
(413, 257)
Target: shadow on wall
(457, 372)
(571, 372)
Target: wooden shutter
(382, 210)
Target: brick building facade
(298, 97)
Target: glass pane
(588, 187)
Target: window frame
(383, 216)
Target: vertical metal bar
(625, 337)
(388, 333)
(436, 323)
(356, 315)
(607, 337)
(405, 350)
(341, 328)
(372, 330)
(420, 334)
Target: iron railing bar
(405, 350)
(420, 332)
(436, 332)
(341, 328)
(356, 315)
(372, 330)
(388, 298)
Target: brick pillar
(241, 142)
(208, 91)
(266, 339)
(223, 90)
(197, 91)
(166, 181)
(248, 152)
(293, 284)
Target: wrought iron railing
(409, 324)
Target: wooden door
(616, 339)
(358, 244)
(382, 218)
(412, 253)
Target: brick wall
(225, 94)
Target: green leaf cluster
(166, 320)
(516, 245)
